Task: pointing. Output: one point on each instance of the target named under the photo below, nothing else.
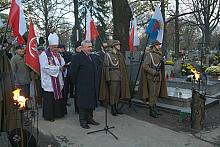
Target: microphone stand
(107, 127)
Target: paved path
(131, 133)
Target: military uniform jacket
(148, 71)
(114, 70)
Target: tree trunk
(177, 36)
(207, 35)
(76, 15)
(121, 22)
(46, 21)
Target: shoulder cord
(152, 59)
(111, 60)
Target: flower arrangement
(213, 70)
(169, 62)
(187, 68)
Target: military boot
(153, 113)
(156, 110)
(118, 111)
(113, 110)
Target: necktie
(90, 58)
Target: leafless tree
(206, 17)
(49, 15)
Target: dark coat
(67, 56)
(83, 73)
(99, 59)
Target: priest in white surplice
(52, 70)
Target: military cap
(116, 42)
(156, 42)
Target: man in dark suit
(83, 74)
(68, 87)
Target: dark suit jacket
(83, 73)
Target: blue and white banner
(155, 28)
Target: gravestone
(132, 58)
(177, 68)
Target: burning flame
(21, 100)
(196, 73)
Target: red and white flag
(32, 57)
(91, 30)
(133, 39)
(16, 20)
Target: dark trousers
(68, 86)
(85, 115)
(75, 102)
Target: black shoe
(113, 111)
(156, 110)
(153, 113)
(118, 111)
(92, 122)
(85, 126)
(51, 120)
(68, 104)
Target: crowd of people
(92, 79)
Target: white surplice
(50, 70)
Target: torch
(20, 104)
(199, 83)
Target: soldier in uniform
(114, 83)
(152, 82)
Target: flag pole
(139, 68)
(135, 82)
